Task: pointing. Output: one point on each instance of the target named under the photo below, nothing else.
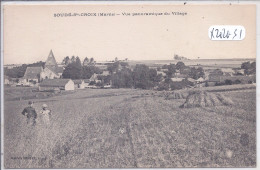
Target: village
(51, 76)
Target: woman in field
(45, 115)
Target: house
(239, 71)
(32, 75)
(79, 84)
(51, 69)
(191, 81)
(94, 78)
(177, 79)
(214, 78)
(162, 73)
(164, 69)
(200, 80)
(105, 73)
(86, 81)
(54, 84)
(177, 73)
(228, 71)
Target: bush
(237, 81)
(228, 82)
(92, 83)
(219, 84)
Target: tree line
(250, 68)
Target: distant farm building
(32, 75)
(79, 84)
(54, 84)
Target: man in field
(30, 113)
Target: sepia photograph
(110, 85)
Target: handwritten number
(235, 33)
(226, 33)
(212, 34)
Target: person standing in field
(45, 115)
(30, 113)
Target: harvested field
(176, 95)
(127, 128)
(205, 99)
(228, 87)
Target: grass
(127, 128)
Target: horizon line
(151, 60)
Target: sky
(31, 31)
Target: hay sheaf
(205, 99)
(176, 95)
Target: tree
(122, 79)
(171, 70)
(196, 73)
(246, 65)
(180, 65)
(72, 71)
(91, 61)
(253, 68)
(152, 75)
(78, 62)
(66, 60)
(73, 59)
(86, 61)
(88, 71)
(113, 67)
(141, 77)
(250, 68)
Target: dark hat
(30, 102)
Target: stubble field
(127, 128)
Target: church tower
(51, 62)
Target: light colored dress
(45, 115)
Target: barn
(32, 74)
(54, 84)
(79, 84)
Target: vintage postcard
(137, 85)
